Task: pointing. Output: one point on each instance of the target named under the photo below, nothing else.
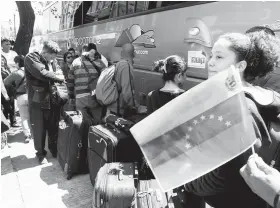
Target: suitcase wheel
(69, 177)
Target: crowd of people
(245, 181)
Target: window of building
(69, 9)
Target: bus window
(143, 5)
(122, 8)
(170, 3)
(99, 10)
(131, 7)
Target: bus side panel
(171, 32)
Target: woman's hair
(170, 66)
(65, 55)
(20, 60)
(259, 49)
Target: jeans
(22, 102)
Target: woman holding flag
(254, 56)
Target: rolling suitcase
(115, 186)
(106, 143)
(102, 142)
(72, 144)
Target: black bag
(72, 144)
(120, 123)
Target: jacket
(124, 78)
(82, 72)
(39, 80)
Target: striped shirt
(79, 78)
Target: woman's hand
(261, 178)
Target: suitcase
(149, 195)
(115, 186)
(72, 144)
(107, 144)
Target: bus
(157, 29)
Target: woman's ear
(241, 65)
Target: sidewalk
(26, 184)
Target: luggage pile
(108, 152)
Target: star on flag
(228, 123)
(198, 124)
(188, 145)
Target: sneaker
(42, 160)
(28, 139)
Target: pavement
(27, 184)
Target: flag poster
(196, 132)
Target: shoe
(42, 160)
(27, 139)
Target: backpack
(107, 91)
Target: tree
(25, 31)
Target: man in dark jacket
(40, 78)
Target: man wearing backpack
(82, 79)
(125, 104)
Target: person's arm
(3, 89)
(38, 70)
(262, 179)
